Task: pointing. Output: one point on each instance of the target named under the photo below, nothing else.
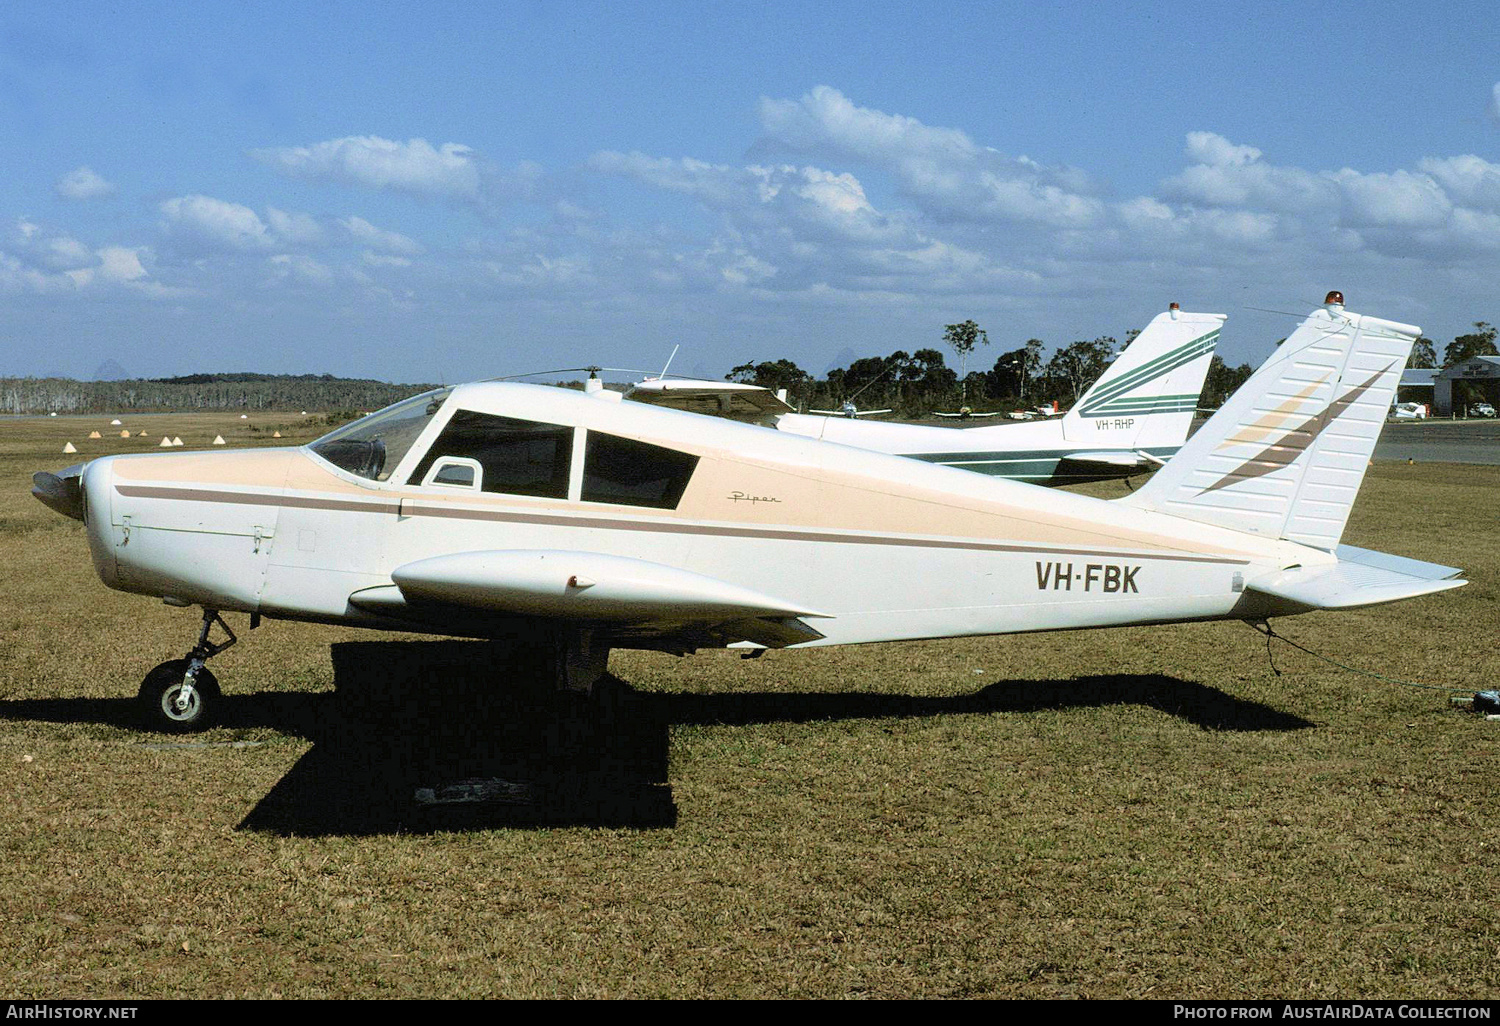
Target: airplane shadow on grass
(445, 735)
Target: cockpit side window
(373, 446)
(518, 457)
(632, 473)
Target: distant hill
(237, 376)
(110, 370)
(230, 391)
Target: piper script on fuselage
(738, 496)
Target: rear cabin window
(632, 473)
(517, 457)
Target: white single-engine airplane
(848, 409)
(483, 509)
(969, 413)
(1134, 418)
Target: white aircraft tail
(1285, 455)
(1147, 397)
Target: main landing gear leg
(581, 659)
(181, 695)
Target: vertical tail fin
(1147, 397)
(1285, 455)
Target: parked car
(1481, 410)
(1409, 411)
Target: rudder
(1286, 454)
(1147, 397)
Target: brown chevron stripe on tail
(1286, 454)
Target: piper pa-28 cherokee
(1134, 418)
(492, 508)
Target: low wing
(731, 399)
(629, 597)
(969, 416)
(1361, 577)
(846, 413)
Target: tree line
(1479, 342)
(242, 391)
(912, 384)
(919, 383)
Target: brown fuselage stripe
(550, 520)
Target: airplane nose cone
(61, 491)
(97, 482)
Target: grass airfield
(1144, 812)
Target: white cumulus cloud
(943, 168)
(43, 261)
(216, 222)
(835, 205)
(1441, 208)
(415, 166)
(826, 120)
(716, 184)
(204, 223)
(1228, 175)
(17, 276)
(1469, 180)
(295, 229)
(790, 229)
(116, 265)
(1398, 198)
(366, 234)
(1215, 150)
(65, 252)
(301, 268)
(384, 260)
(801, 199)
(452, 171)
(120, 263)
(82, 184)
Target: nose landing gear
(181, 695)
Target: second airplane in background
(1134, 418)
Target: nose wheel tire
(160, 696)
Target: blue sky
(434, 191)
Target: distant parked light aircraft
(967, 413)
(848, 409)
(492, 508)
(1134, 418)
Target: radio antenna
(669, 360)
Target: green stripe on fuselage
(1040, 466)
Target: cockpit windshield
(373, 446)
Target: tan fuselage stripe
(595, 523)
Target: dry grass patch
(1138, 812)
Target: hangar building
(1476, 379)
(1417, 385)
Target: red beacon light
(1174, 309)
(1333, 298)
